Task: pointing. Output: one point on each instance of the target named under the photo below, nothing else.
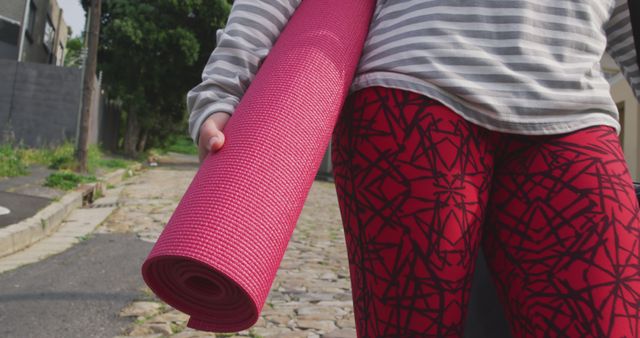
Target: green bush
(112, 163)
(15, 160)
(10, 162)
(183, 145)
(67, 180)
(61, 157)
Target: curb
(25, 233)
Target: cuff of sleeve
(221, 106)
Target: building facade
(33, 31)
(629, 110)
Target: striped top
(517, 66)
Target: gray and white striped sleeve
(622, 44)
(251, 30)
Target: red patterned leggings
(420, 189)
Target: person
(471, 123)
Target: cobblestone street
(310, 296)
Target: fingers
(215, 141)
(211, 136)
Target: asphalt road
(77, 293)
(20, 207)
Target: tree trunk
(142, 143)
(132, 134)
(89, 74)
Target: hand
(211, 136)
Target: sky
(73, 15)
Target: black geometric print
(414, 182)
(563, 236)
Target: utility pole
(89, 74)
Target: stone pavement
(310, 296)
(97, 284)
(74, 229)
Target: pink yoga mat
(220, 251)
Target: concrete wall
(40, 103)
(7, 74)
(8, 51)
(12, 9)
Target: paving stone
(315, 312)
(278, 319)
(346, 323)
(323, 325)
(172, 316)
(190, 333)
(311, 293)
(294, 334)
(329, 276)
(270, 332)
(343, 333)
(140, 309)
(162, 328)
(140, 331)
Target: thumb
(216, 141)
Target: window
(49, 35)
(31, 20)
(9, 31)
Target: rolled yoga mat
(219, 253)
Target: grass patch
(177, 328)
(61, 157)
(97, 194)
(11, 163)
(67, 180)
(253, 334)
(83, 238)
(112, 163)
(14, 160)
(183, 145)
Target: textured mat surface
(218, 255)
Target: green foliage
(151, 53)
(10, 162)
(67, 180)
(183, 145)
(73, 50)
(14, 161)
(61, 157)
(113, 163)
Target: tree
(151, 53)
(90, 65)
(73, 51)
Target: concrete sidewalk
(24, 196)
(36, 217)
(72, 230)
